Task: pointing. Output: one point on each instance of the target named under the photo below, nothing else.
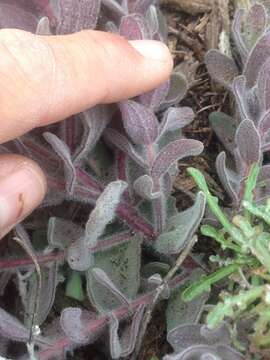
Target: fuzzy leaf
(43, 26)
(139, 122)
(225, 127)
(13, 16)
(221, 67)
(95, 121)
(74, 322)
(175, 118)
(255, 24)
(264, 125)
(79, 255)
(62, 232)
(122, 262)
(122, 143)
(115, 345)
(172, 152)
(153, 99)
(102, 278)
(257, 58)
(227, 177)
(46, 298)
(248, 142)
(263, 84)
(63, 151)
(181, 228)
(76, 15)
(237, 34)
(241, 95)
(134, 27)
(192, 334)
(104, 211)
(144, 187)
(177, 91)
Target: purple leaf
(248, 142)
(122, 143)
(115, 345)
(102, 278)
(144, 187)
(257, 58)
(153, 99)
(255, 23)
(63, 151)
(74, 322)
(157, 23)
(76, 15)
(177, 91)
(95, 120)
(141, 6)
(43, 26)
(237, 35)
(240, 93)
(175, 118)
(12, 16)
(114, 7)
(224, 127)
(221, 67)
(264, 125)
(104, 211)
(62, 232)
(134, 27)
(173, 152)
(227, 177)
(139, 122)
(263, 84)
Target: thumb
(48, 78)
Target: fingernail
(152, 49)
(20, 193)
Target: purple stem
(99, 325)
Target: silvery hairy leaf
(74, 322)
(121, 142)
(175, 118)
(134, 27)
(79, 252)
(224, 127)
(248, 142)
(177, 91)
(64, 153)
(14, 16)
(61, 233)
(237, 34)
(263, 84)
(187, 335)
(221, 67)
(95, 121)
(140, 122)
(264, 125)
(153, 99)
(124, 346)
(157, 23)
(255, 24)
(260, 53)
(141, 6)
(122, 263)
(13, 329)
(49, 282)
(114, 7)
(181, 228)
(144, 187)
(227, 177)
(76, 15)
(43, 26)
(103, 279)
(207, 352)
(172, 152)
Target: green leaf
(74, 287)
(205, 283)
(122, 264)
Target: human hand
(46, 79)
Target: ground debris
(191, 7)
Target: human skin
(45, 79)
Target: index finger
(48, 78)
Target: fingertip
(22, 188)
